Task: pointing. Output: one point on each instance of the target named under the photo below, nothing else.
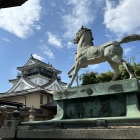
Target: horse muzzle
(75, 41)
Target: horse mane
(89, 31)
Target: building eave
(24, 92)
(52, 105)
(63, 83)
(14, 80)
(22, 68)
(4, 102)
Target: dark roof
(3, 102)
(11, 3)
(11, 80)
(52, 105)
(38, 62)
(63, 83)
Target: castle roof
(30, 87)
(33, 62)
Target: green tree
(89, 78)
(93, 77)
(105, 77)
(136, 70)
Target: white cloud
(46, 50)
(70, 45)
(83, 13)
(53, 4)
(5, 39)
(38, 57)
(122, 18)
(38, 27)
(54, 40)
(127, 50)
(21, 20)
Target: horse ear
(82, 27)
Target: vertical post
(31, 117)
(77, 79)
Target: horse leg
(72, 68)
(77, 67)
(115, 67)
(118, 60)
(128, 68)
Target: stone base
(121, 133)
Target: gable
(30, 62)
(54, 86)
(21, 85)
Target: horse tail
(129, 38)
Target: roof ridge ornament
(32, 56)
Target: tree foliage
(93, 77)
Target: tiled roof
(49, 83)
(38, 62)
(23, 92)
(52, 105)
(63, 82)
(3, 102)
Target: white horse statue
(87, 53)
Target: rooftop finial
(31, 55)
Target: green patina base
(119, 99)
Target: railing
(43, 72)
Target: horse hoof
(132, 76)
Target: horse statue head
(82, 32)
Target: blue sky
(46, 28)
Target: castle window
(21, 85)
(41, 99)
(41, 82)
(35, 81)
